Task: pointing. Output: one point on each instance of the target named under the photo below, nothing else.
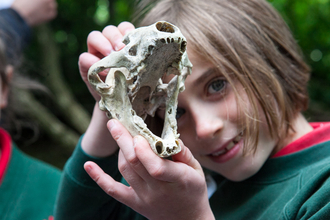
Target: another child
(28, 187)
(239, 118)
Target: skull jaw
(118, 106)
(127, 77)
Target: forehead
(200, 66)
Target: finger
(157, 168)
(139, 166)
(120, 134)
(115, 37)
(86, 60)
(98, 44)
(131, 162)
(113, 188)
(185, 156)
(124, 140)
(124, 27)
(167, 170)
(130, 175)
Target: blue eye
(216, 86)
(179, 112)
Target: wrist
(97, 141)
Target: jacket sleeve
(81, 198)
(15, 32)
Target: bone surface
(134, 88)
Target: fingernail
(119, 45)
(136, 140)
(88, 168)
(112, 124)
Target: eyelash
(179, 112)
(216, 82)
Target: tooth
(139, 68)
(230, 145)
(238, 138)
(219, 152)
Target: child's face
(208, 124)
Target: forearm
(97, 140)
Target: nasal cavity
(165, 27)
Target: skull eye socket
(183, 46)
(159, 147)
(126, 40)
(132, 51)
(165, 27)
(151, 48)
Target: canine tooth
(238, 138)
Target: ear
(5, 88)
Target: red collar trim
(320, 133)
(5, 146)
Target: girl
(28, 187)
(239, 118)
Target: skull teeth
(171, 40)
(139, 68)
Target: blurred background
(56, 121)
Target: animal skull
(134, 88)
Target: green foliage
(75, 20)
(309, 21)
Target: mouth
(230, 146)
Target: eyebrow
(202, 78)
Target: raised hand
(101, 44)
(97, 140)
(159, 188)
(36, 12)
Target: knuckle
(133, 160)
(157, 171)
(97, 178)
(122, 167)
(111, 191)
(116, 133)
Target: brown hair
(3, 64)
(247, 40)
(5, 82)
(9, 119)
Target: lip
(228, 155)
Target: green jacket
(296, 186)
(28, 189)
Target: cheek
(230, 113)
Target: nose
(208, 123)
